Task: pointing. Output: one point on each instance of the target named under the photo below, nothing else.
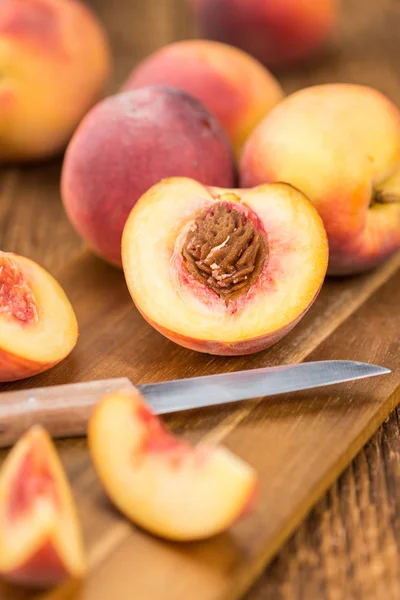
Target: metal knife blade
(211, 390)
(65, 409)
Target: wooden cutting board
(298, 443)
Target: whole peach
(126, 144)
(54, 61)
(340, 145)
(277, 32)
(235, 87)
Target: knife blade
(64, 410)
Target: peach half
(339, 144)
(223, 271)
(40, 538)
(160, 482)
(38, 326)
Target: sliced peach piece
(40, 538)
(160, 482)
(38, 326)
(224, 271)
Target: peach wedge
(224, 271)
(160, 482)
(38, 326)
(40, 539)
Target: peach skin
(232, 85)
(40, 537)
(280, 33)
(38, 326)
(339, 144)
(126, 144)
(223, 271)
(160, 482)
(54, 61)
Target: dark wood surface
(348, 546)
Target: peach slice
(224, 271)
(40, 539)
(160, 482)
(38, 326)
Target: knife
(64, 410)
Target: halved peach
(40, 538)
(38, 326)
(224, 271)
(163, 484)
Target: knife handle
(64, 410)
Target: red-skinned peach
(126, 144)
(339, 144)
(40, 538)
(160, 482)
(232, 85)
(54, 61)
(38, 326)
(279, 33)
(223, 271)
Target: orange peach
(38, 326)
(277, 32)
(126, 144)
(54, 62)
(160, 482)
(223, 271)
(40, 538)
(237, 89)
(339, 144)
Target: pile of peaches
(224, 202)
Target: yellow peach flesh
(44, 524)
(172, 490)
(296, 264)
(52, 335)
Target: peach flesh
(40, 543)
(38, 326)
(16, 298)
(31, 481)
(178, 302)
(160, 482)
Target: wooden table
(348, 547)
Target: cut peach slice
(40, 538)
(224, 271)
(163, 484)
(38, 326)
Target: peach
(126, 144)
(54, 62)
(160, 482)
(38, 326)
(40, 538)
(237, 89)
(339, 144)
(223, 271)
(279, 33)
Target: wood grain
(348, 547)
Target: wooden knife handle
(64, 410)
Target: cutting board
(298, 443)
